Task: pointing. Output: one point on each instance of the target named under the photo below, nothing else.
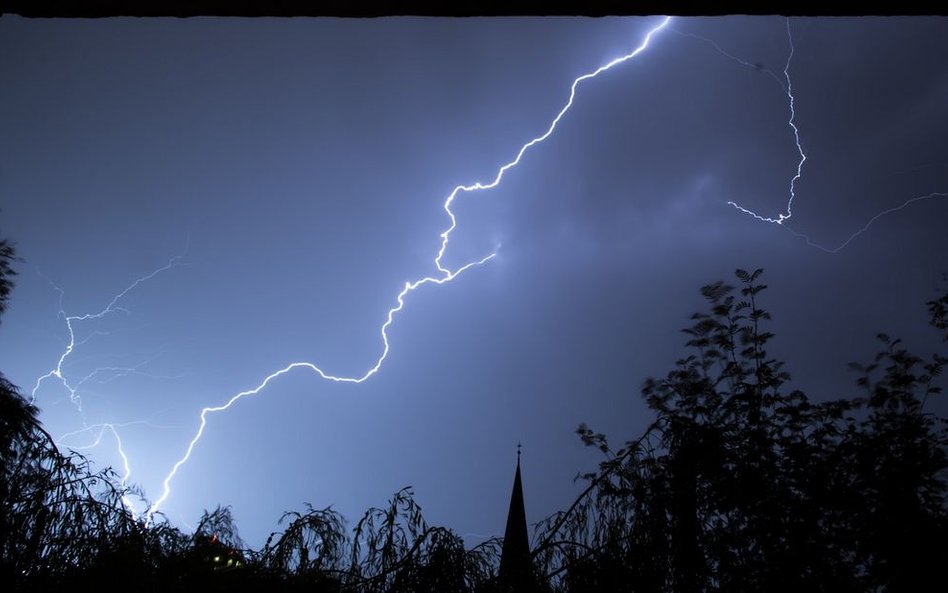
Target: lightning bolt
(99, 430)
(73, 388)
(781, 218)
(112, 307)
(787, 86)
(446, 274)
(902, 206)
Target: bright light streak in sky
(112, 307)
(447, 274)
(787, 86)
(99, 431)
(444, 275)
(902, 206)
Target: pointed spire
(516, 570)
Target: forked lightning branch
(444, 274)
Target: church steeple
(516, 569)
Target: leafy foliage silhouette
(7, 257)
(736, 485)
(739, 486)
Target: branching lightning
(111, 373)
(99, 431)
(787, 86)
(446, 274)
(782, 217)
(112, 307)
(903, 205)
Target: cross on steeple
(516, 568)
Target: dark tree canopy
(737, 485)
(7, 257)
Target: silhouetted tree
(7, 257)
(740, 486)
(56, 515)
(394, 549)
(311, 551)
(736, 485)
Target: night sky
(293, 173)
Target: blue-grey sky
(299, 167)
